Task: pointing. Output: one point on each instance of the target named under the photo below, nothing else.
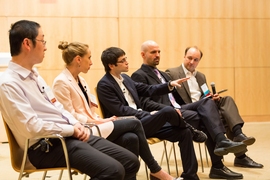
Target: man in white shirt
(30, 109)
(192, 91)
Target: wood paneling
(251, 9)
(176, 8)
(252, 42)
(59, 8)
(233, 35)
(252, 90)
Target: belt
(44, 145)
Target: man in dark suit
(191, 92)
(210, 120)
(119, 95)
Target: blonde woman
(73, 92)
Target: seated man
(30, 110)
(206, 108)
(119, 95)
(226, 105)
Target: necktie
(174, 103)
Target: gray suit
(226, 105)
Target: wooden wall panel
(98, 33)
(4, 42)
(252, 91)
(176, 8)
(174, 35)
(252, 42)
(62, 8)
(251, 9)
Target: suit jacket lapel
(150, 72)
(185, 84)
(75, 85)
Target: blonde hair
(71, 50)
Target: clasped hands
(81, 132)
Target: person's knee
(131, 142)
(168, 110)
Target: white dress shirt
(26, 108)
(194, 88)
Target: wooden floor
(259, 152)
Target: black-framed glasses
(43, 42)
(124, 60)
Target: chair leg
(146, 171)
(175, 160)
(166, 155)
(44, 175)
(60, 175)
(201, 156)
(206, 155)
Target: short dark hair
(19, 31)
(195, 48)
(110, 56)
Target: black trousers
(98, 158)
(209, 122)
(129, 134)
(166, 124)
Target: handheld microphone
(213, 87)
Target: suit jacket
(178, 72)
(112, 99)
(147, 75)
(68, 92)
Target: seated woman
(73, 92)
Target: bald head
(150, 53)
(147, 44)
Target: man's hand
(178, 82)
(80, 132)
(215, 97)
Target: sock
(237, 130)
(218, 165)
(242, 156)
(219, 137)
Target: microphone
(213, 87)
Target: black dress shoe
(246, 162)
(243, 138)
(198, 136)
(224, 173)
(227, 146)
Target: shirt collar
(119, 81)
(21, 70)
(187, 71)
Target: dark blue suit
(208, 121)
(165, 124)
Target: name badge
(205, 90)
(49, 94)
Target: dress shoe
(198, 136)
(224, 173)
(155, 178)
(243, 138)
(227, 146)
(246, 162)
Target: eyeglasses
(44, 42)
(124, 60)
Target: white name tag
(205, 90)
(93, 100)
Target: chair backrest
(16, 153)
(99, 107)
